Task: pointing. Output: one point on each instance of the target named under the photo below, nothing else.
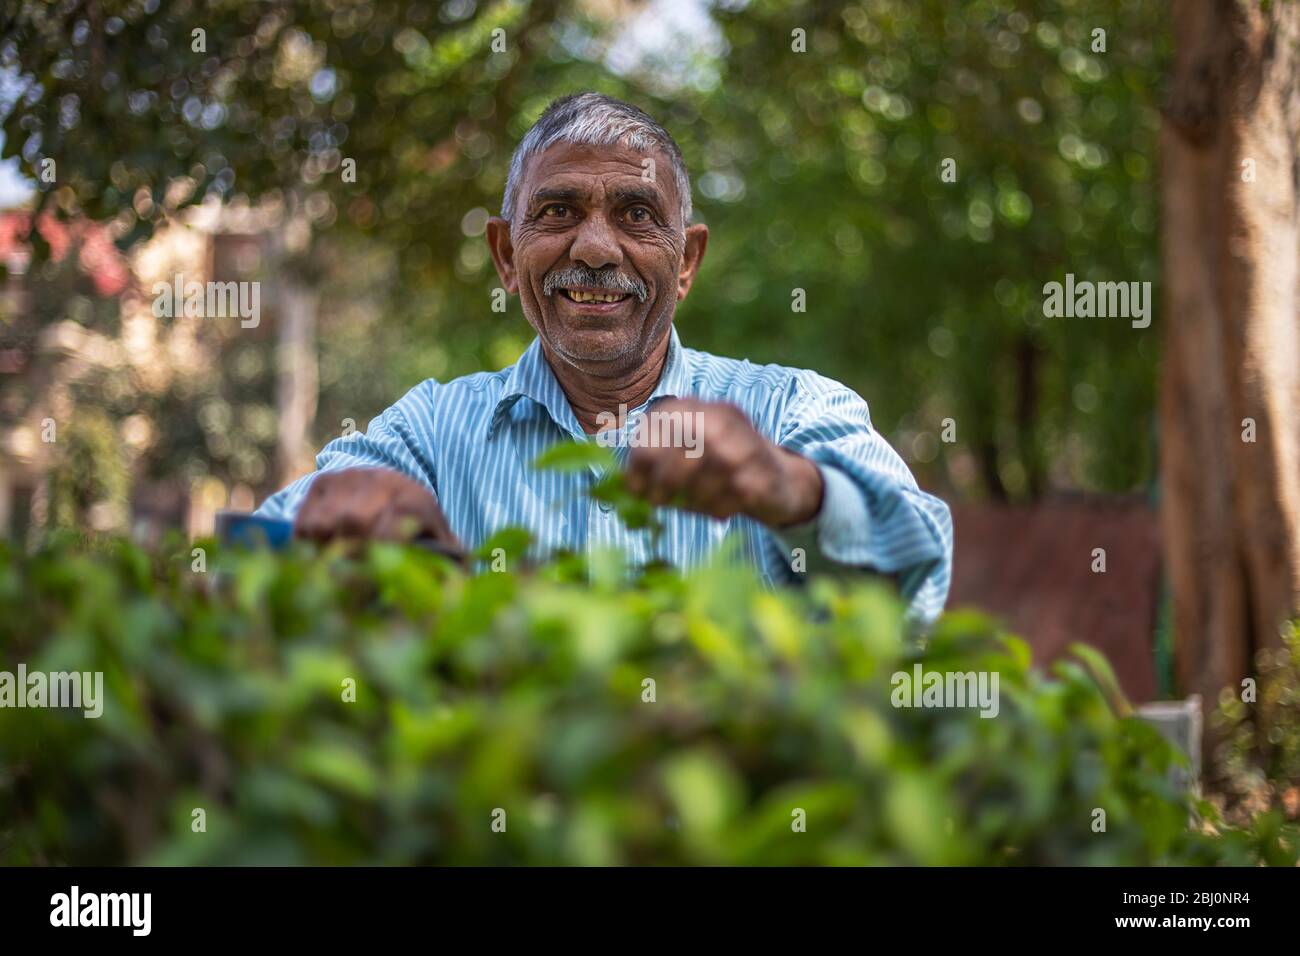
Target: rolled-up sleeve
(873, 514)
(387, 443)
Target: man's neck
(589, 395)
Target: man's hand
(363, 503)
(738, 471)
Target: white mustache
(608, 279)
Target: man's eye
(555, 211)
(639, 214)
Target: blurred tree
(335, 113)
(820, 138)
(1230, 452)
(90, 483)
(921, 171)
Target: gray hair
(594, 119)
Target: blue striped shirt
(471, 441)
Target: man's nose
(596, 244)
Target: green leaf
(571, 456)
(1104, 675)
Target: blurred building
(44, 356)
(36, 363)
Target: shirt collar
(531, 377)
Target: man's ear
(503, 252)
(697, 240)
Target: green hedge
(525, 693)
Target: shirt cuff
(840, 525)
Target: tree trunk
(1231, 505)
(297, 381)
(296, 361)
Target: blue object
(253, 531)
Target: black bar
(439, 906)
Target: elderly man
(600, 250)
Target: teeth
(579, 296)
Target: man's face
(597, 253)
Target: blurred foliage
(1260, 738)
(56, 291)
(527, 693)
(927, 295)
(817, 170)
(89, 483)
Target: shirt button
(606, 507)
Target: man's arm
(377, 485)
(873, 515)
(829, 472)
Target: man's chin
(593, 346)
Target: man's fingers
(359, 514)
(396, 525)
(312, 521)
(709, 491)
(370, 503)
(637, 475)
(662, 473)
(411, 514)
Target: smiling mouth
(584, 295)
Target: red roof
(99, 259)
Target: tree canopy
(918, 169)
